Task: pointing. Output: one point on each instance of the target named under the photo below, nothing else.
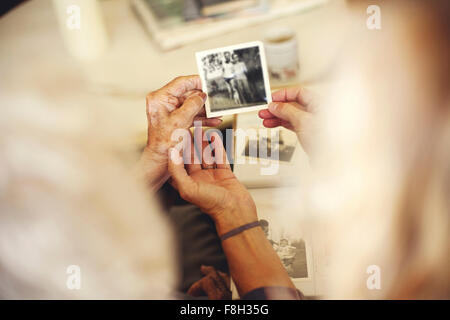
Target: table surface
(35, 66)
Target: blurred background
(126, 48)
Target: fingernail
(273, 106)
(172, 154)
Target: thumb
(287, 112)
(180, 178)
(190, 108)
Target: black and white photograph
(290, 249)
(285, 146)
(235, 79)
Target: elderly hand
(213, 187)
(175, 106)
(215, 284)
(291, 108)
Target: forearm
(251, 258)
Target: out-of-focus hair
(66, 199)
(384, 159)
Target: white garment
(240, 69)
(228, 70)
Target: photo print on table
(284, 151)
(291, 250)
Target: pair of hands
(214, 189)
(175, 106)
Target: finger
(295, 94)
(276, 122)
(205, 270)
(181, 85)
(287, 112)
(212, 122)
(218, 282)
(272, 123)
(265, 114)
(187, 94)
(208, 161)
(196, 290)
(185, 114)
(213, 288)
(194, 164)
(226, 278)
(174, 162)
(198, 144)
(166, 99)
(211, 271)
(220, 153)
(180, 178)
(293, 104)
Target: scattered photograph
(285, 146)
(235, 79)
(291, 250)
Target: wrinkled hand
(175, 106)
(215, 284)
(213, 187)
(291, 108)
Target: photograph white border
(262, 54)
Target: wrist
(232, 219)
(152, 168)
(154, 155)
